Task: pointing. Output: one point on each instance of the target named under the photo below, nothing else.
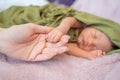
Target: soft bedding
(62, 67)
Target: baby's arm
(76, 51)
(63, 28)
(69, 22)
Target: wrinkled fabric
(48, 15)
(51, 15)
(62, 67)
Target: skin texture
(91, 43)
(63, 28)
(28, 42)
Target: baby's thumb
(64, 40)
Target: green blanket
(51, 15)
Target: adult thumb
(43, 29)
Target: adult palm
(19, 41)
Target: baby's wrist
(61, 30)
(64, 29)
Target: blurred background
(62, 2)
(105, 8)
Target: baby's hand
(95, 54)
(55, 35)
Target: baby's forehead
(91, 29)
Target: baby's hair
(114, 46)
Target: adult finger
(49, 53)
(44, 29)
(39, 29)
(38, 47)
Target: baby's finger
(51, 36)
(56, 38)
(63, 41)
(104, 53)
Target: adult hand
(19, 41)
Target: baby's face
(93, 39)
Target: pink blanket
(61, 67)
